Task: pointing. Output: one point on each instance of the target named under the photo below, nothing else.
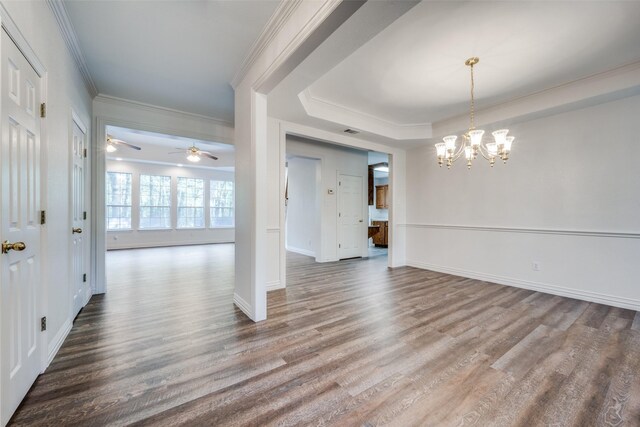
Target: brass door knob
(76, 230)
(17, 246)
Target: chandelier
(472, 144)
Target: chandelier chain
(472, 101)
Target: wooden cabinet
(382, 237)
(381, 196)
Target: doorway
(163, 191)
(379, 202)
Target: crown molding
(114, 100)
(327, 110)
(185, 165)
(71, 40)
(276, 21)
(607, 86)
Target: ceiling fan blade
(135, 147)
(209, 155)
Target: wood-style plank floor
(347, 344)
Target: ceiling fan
(112, 144)
(194, 154)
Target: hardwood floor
(348, 343)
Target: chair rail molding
(567, 232)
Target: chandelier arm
(482, 150)
(457, 155)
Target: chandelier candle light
(472, 139)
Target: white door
(80, 283)
(20, 225)
(350, 216)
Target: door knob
(76, 230)
(360, 221)
(17, 246)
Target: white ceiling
(156, 148)
(176, 54)
(390, 65)
(413, 71)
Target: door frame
(12, 30)
(283, 128)
(98, 162)
(75, 118)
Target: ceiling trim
(336, 113)
(185, 165)
(276, 21)
(114, 100)
(71, 40)
(602, 87)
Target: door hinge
(43, 217)
(339, 214)
(84, 215)
(339, 245)
(84, 277)
(339, 183)
(43, 323)
(85, 152)
(43, 110)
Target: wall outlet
(535, 266)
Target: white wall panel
(568, 200)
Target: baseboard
(165, 244)
(57, 341)
(301, 251)
(243, 305)
(612, 300)
(274, 285)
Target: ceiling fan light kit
(472, 144)
(194, 154)
(193, 157)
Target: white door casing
(350, 216)
(81, 290)
(20, 354)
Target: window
(118, 197)
(155, 201)
(190, 203)
(221, 204)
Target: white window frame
(178, 206)
(142, 207)
(230, 207)
(130, 205)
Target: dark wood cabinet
(382, 237)
(381, 196)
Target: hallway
(346, 343)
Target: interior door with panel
(79, 259)
(20, 356)
(350, 216)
